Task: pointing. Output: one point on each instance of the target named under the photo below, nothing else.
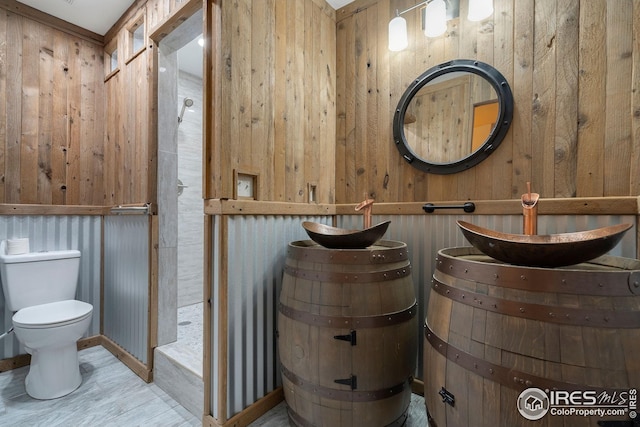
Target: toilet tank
(38, 277)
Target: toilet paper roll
(17, 246)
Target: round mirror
(453, 116)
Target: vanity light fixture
(435, 14)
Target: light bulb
(480, 9)
(398, 34)
(435, 22)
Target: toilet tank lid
(38, 256)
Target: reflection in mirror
(453, 116)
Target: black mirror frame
(505, 115)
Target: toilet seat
(52, 315)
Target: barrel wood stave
(331, 292)
(582, 354)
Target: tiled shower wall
(190, 215)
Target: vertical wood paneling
(59, 118)
(45, 81)
(91, 151)
(52, 87)
(341, 105)
(30, 112)
(280, 117)
(544, 91)
(592, 101)
(127, 158)
(635, 104)
(503, 46)
(566, 132)
(262, 78)
(278, 86)
(617, 145)
(13, 109)
(522, 78)
(349, 140)
(294, 96)
(572, 67)
(3, 105)
(380, 56)
(72, 192)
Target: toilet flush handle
(6, 333)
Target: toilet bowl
(40, 287)
(49, 332)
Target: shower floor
(190, 325)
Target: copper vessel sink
(551, 250)
(340, 238)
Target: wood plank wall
(573, 67)
(51, 112)
(277, 99)
(276, 103)
(130, 141)
(68, 134)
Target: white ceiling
(99, 15)
(337, 4)
(94, 15)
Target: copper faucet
(530, 211)
(366, 205)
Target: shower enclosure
(178, 357)
(189, 187)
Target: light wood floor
(277, 417)
(112, 395)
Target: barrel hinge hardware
(447, 397)
(351, 382)
(350, 337)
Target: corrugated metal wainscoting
(426, 234)
(257, 249)
(48, 233)
(126, 282)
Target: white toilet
(40, 287)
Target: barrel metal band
(372, 255)
(541, 312)
(507, 377)
(339, 277)
(345, 395)
(617, 282)
(350, 322)
(303, 422)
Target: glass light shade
(435, 21)
(480, 9)
(398, 34)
